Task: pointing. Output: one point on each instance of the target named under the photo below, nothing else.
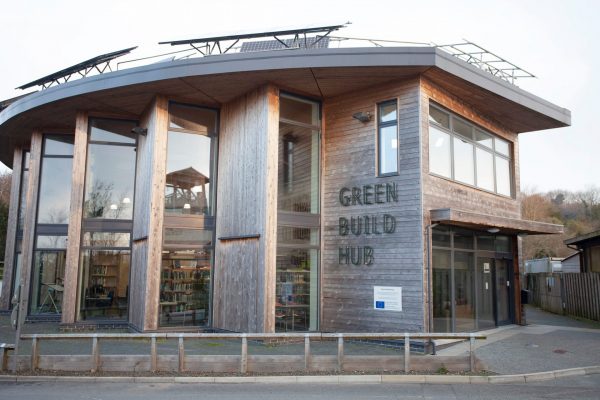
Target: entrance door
(502, 291)
(493, 292)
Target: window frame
(476, 145)
(380, 126)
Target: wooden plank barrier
(310, 362)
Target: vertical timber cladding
(245, 248)
(394, 258)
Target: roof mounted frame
(223, 44)
(99, 63)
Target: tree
(5, 182)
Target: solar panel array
(266, 45)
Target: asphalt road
(585, 387)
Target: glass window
(297, 265)
(51, 242)
(58, 145)
(501, 146)
(110, 174)
(190, 161)
(299, 110)
(23, 191)
(388, 138)
(441, 284)
(193, 119)
(488, 168)
(463, 161)
(106, 239)
(113, 131)
(463, 240)
(502, 176)
(55, 191)
(464, 291)
(187, 253)
(485, 169)
(439, 117)
(462, 128)
(439, 152)
(47, 281)
(104, 288)
(483, 139)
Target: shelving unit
(292, 293)
(184, 291)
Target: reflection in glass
(104, 284)
(185, 287)
(464, 291)
(441, 277)
(485, 296)
(388, 156)
(439, 152)
(192, 119)
(113, 131)
(55, 191)
(51, 242)
(189, 171)
(23, 191)
(47, 285)
(299, 110)
(462, 128)
(109, 181)
(501, 146)
(187, 238)
(298, 173)
(439, 117)
(16, 278)
(464, 170)
(502, 176)
(106, 239)
(387, 112)
(485, 169)
(58, 145)
(483, 139)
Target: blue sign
(380, 304)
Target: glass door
(502, 289)
(485, 293)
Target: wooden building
(588, 247)
(351, 189)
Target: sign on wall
(387, 298)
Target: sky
(555, 40)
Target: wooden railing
(244, 337)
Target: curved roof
(321, 73)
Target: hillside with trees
(578, 211)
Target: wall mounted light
(362, 116)
(138, 130)
(493, 230)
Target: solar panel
(266, 45)
(85, 66)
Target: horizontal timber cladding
(442, 193)
(389, 242)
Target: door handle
(507, 283)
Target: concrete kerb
(335, 379)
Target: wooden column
(245, 251)
(29, 222)
(11, 230)
(70, 304)
(148, 217)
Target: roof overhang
(583, 238)
(472, 220)
(321, 73)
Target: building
(307, 188)
(588, 246)
(549, 265)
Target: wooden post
(181, 355)
(472, 353)
(307, 353)
(406, 353)
(95, 354)
(34, 353)
(244, 357)
(153, 355)
(340, 353)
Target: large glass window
(461, 151)
(16, 277)
(387, 138)
(188, 237)
(110, 170)
(49, 255)
(107, 220)
(298, 232)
